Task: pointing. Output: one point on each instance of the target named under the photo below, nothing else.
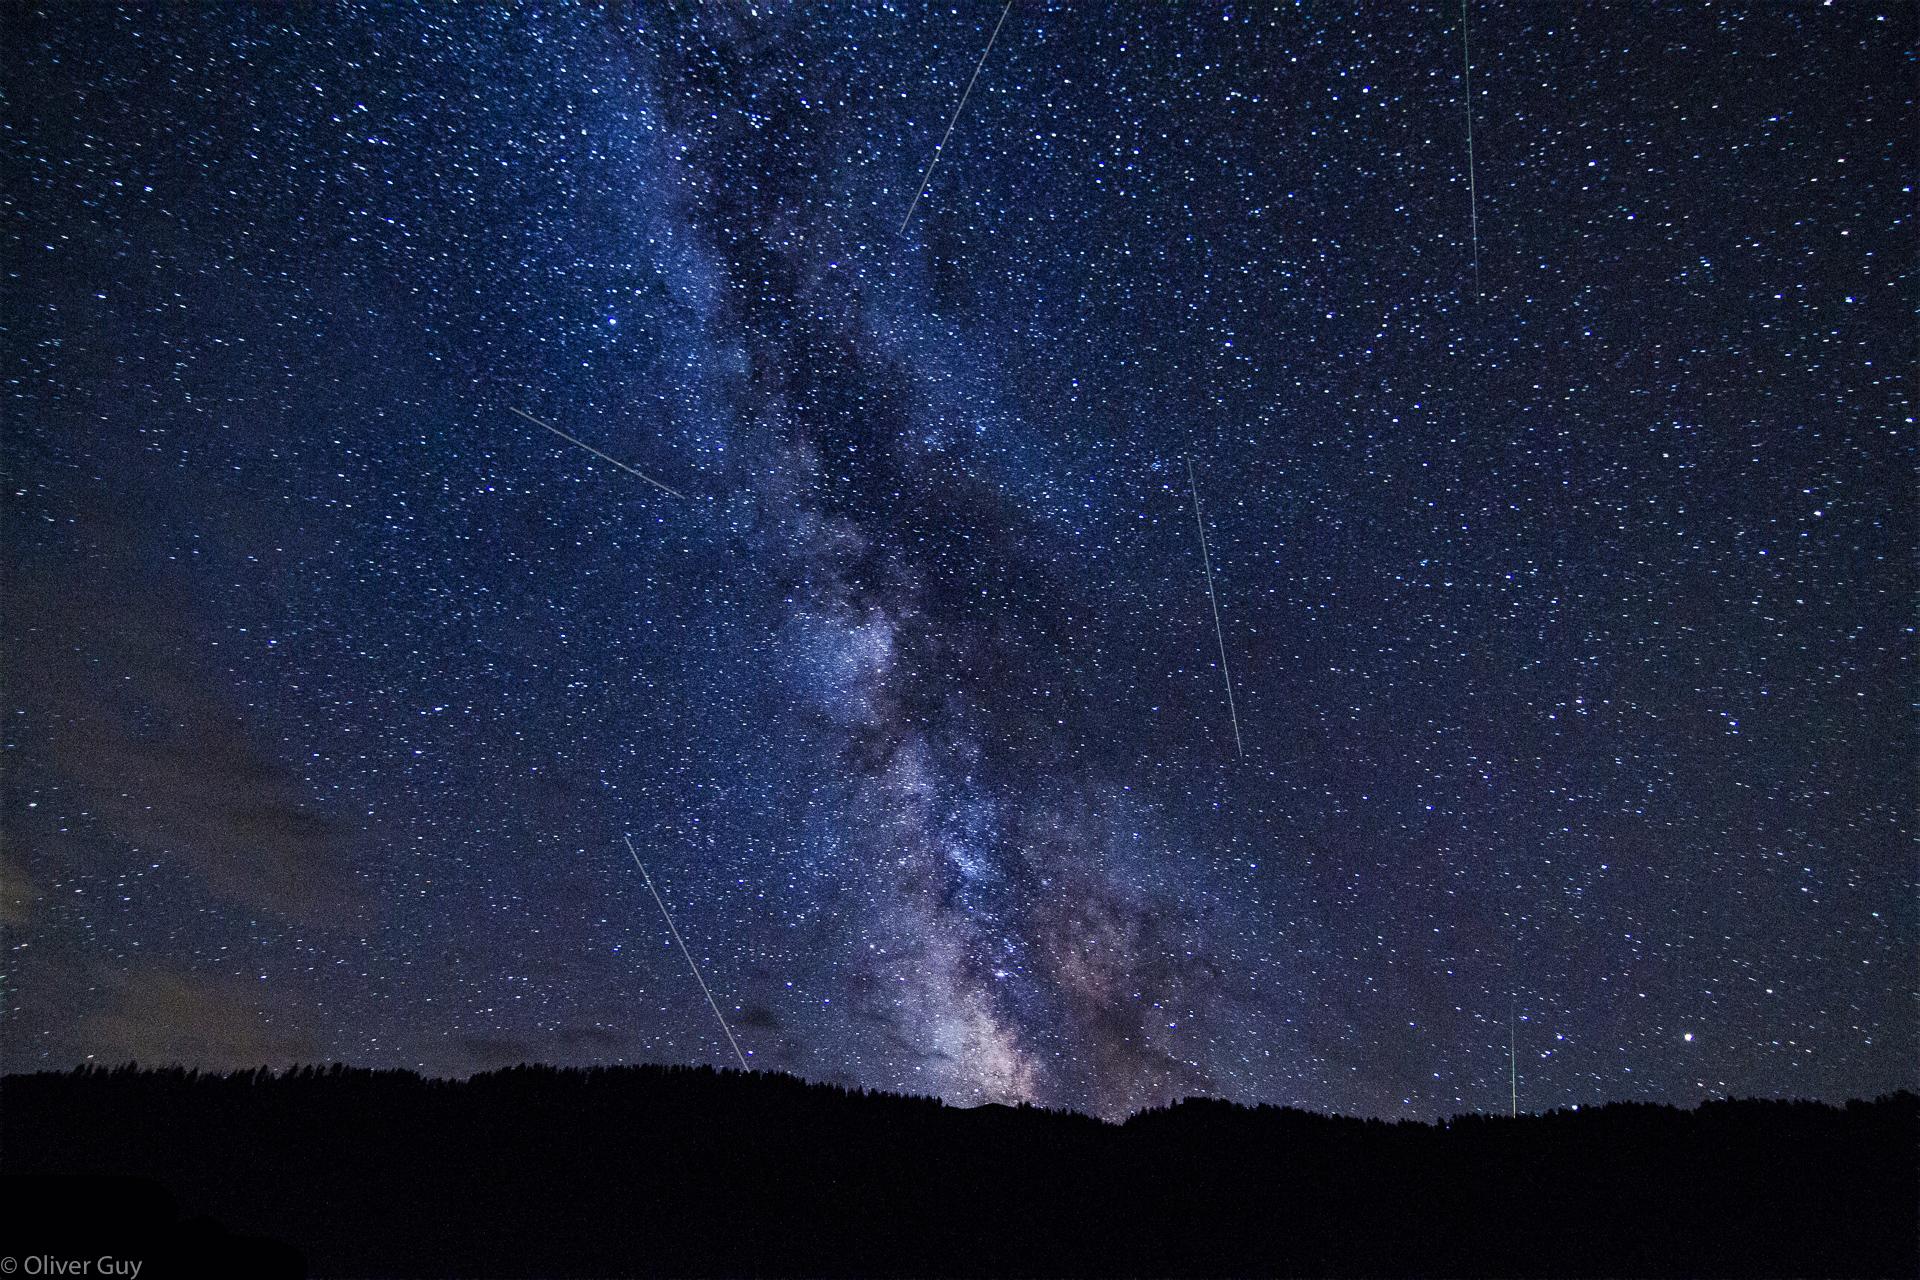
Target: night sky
(1569, 621)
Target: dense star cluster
(1568, 617)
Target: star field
(1569, 622)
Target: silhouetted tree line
(692, 1171)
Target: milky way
(1568, 623)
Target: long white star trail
(1220, 636)
(1473, 188)
(956, 116)
(596, 453)
(674, 930)
(1513, 1061)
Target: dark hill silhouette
(689, 1171)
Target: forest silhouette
(696, 1172)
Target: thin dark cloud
(759, 1017)
(174, 1016)
(19, 893)
(129, 719)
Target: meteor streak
(688, 954)
(596, 453)
(1513, 1062)
(1473, 192)
(1217, 634)
(956, 116)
